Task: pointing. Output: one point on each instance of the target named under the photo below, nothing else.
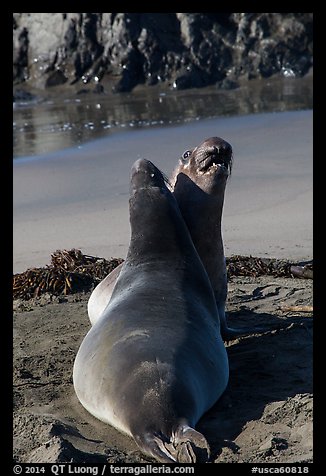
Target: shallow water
(66, 120)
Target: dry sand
(265, 414)
(80, 199)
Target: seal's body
(155, 362)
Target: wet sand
(78, 198)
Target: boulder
(181, 50)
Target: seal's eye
(186, 155)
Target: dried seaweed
(69, 272)
(72, 271)
(252, 266)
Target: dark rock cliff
(181, 50)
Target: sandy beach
(264, 416)
(78, 198)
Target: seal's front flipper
(229, 333)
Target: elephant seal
(155, 361)
(198, 184)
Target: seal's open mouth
(215, 158)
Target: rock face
(180, 49)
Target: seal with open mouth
(208, 167)
(198, 184)
(155, 362)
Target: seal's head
(208, 165)
(148, 192)
(155, 217)
(145, 175)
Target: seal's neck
(204, 222)
(202, 210)
(157, 228)
(202, 213)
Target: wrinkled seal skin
(155, 362)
